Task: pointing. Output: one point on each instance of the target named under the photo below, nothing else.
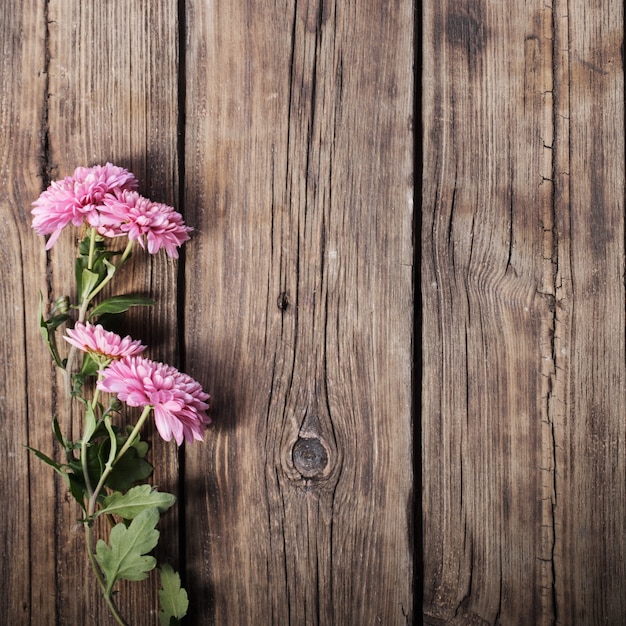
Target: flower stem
(69, 366)
(109, 467)
(83, 448)
(99, 577)
(109, 276)
(113, 609)
(134, 432)
(127, 251)
(91, 509)
(84, 305)
(94, 400)
(92, 248)
(85, 467)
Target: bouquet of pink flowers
(105, 468)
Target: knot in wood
(309, 457)
(282, 301)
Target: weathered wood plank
(113, 96)
(26, 539)
(523, 240)
(488, 301)
(299, 287)
(590, 434)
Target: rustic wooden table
(418, 417)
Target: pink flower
(76, 198)
(128, 213)
(96, 340)
(178, 401)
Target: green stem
(92, 508)
(127, 251)
(82, 313)
(83, 448)
(108, 277)
(92, 248)
(94, 493)
(96, 395)
(84, 305)
(84, 465)
(113, 609)
(131, 438)
(109, 467)
(96, 569)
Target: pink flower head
(97, 341)
(128, 213)
(178, 401)
(77, 198)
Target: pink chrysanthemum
(98, 341)
(76, 198)
(178, 401)
(128, 213)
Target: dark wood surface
(298, 177)
(523, 307)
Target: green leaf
(114, 323)
(136, 500)
(48, 461)
(128, 470)
(89, 366)
(126, 558)
(142, 448)
(89, 280)
(109, 266)
(56, 320)
(78, 382)
(102, 258)
(78, 490)
(48, 327)
(80, 264)
(120, 304)
(172, 597)
(101, 450)
(74, 482)
(43, 327)
(112, 439)
(95, 463)
(59, 435)
(83, 248)
(90, 423)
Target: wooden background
(416, 419)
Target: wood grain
(523, 299)
(298, 178)
(486, 124)
(295, 123)
(27, 548)
(590, 547)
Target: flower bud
(61, 305)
